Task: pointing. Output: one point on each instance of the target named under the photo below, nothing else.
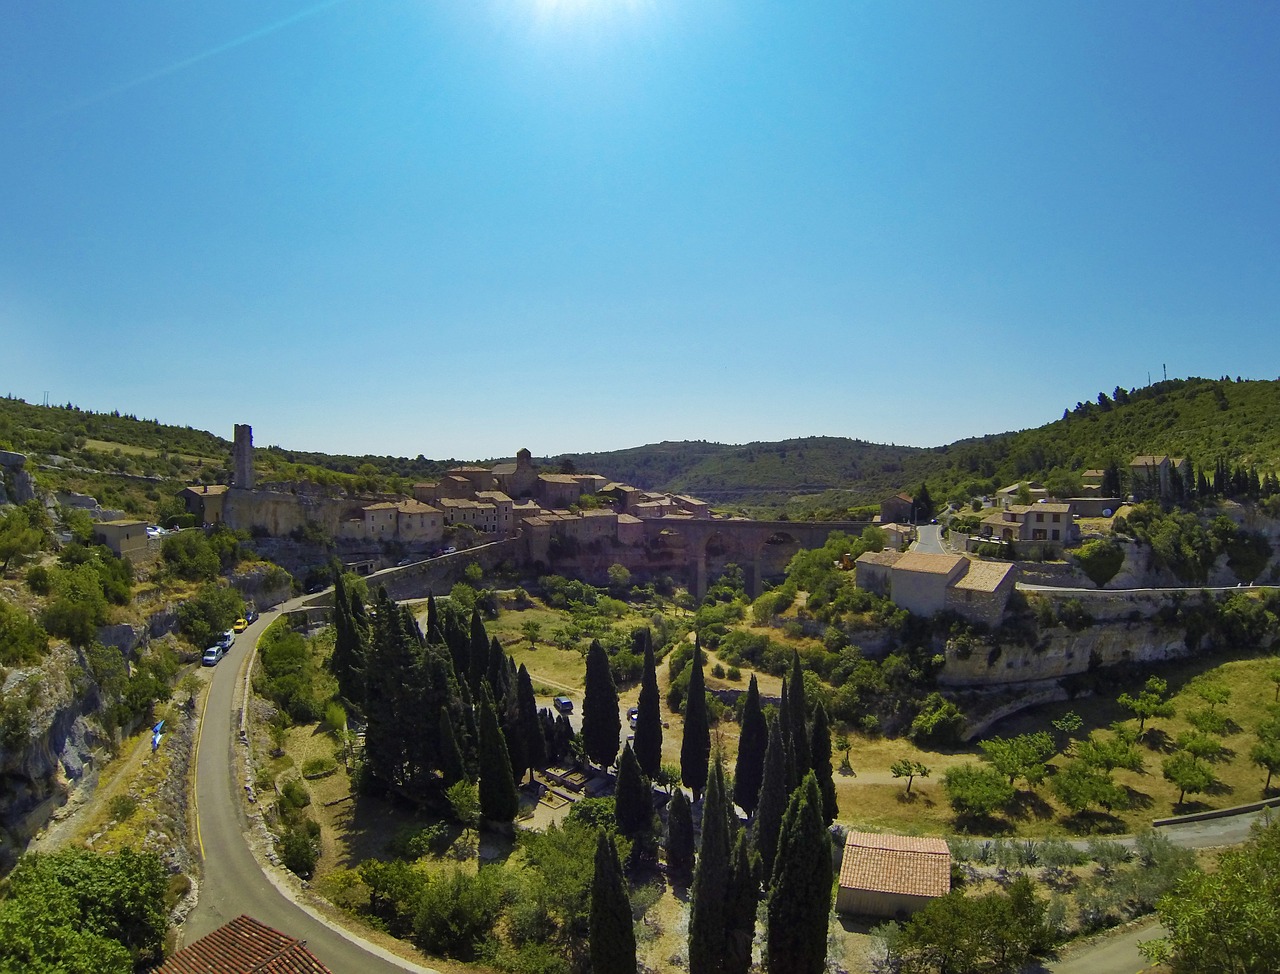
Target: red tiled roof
(244, 946)
(911, 865)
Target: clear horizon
(402, 228)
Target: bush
(295, 794)
(300, 848)
(318, 767)
(38, 580)
(122, 807)
(189, 555)
(212, 610)
(22, 640)
(457, 911)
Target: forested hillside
(1204, 419)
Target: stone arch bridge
(761, 548)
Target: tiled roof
(896, 864)
(205, 490)
(504, 469)
(1149, 461)
(886, 557)
(928, 564)
(558, 478)
(628, 519)
(494, 495)
(380, 506)
(416, 507)
(244, 946)
(984, 576)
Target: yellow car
(241, 625)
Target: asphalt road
(233, 881)
(929, 539)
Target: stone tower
(242, 454)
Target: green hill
(135, 461)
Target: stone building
(891, 875)
(126, 538)
(925, 583)
(205, 502)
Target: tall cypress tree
(497, 673)
(612, 939)
(695, 746)
(800, 900)
(773, 799)
(799, 714)
(498, 799)
(387, 699)
(434, 633)
(749, 770)
(740, 919)
(784, 728)
(679, 834)
(534, 742)
(633, 795)
(648, 744)
(708, 910)
(601, 725)
(452, 767)
(478, 655)
(820, 748)
(350, 646)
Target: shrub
(122, 807)
(456, 912)
(22, 640)
(734, 674)
(295, 794)
(318, 767)
(300, 848)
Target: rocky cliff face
(1061, 652)
(47, 749)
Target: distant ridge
(1203, 419)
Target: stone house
(558, 490)
(891, 875)
(897, 536)
(1006, 496)
(519, 479)
(205, 501)
(126, 538)
(1050, 521)
(925, 583)
(462, 510)
(899, 507)
(416, 521)
(504, 510)
(1152, 476)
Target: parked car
(227, 639)
(564, 705)
(212, 655)
(251, 612)
(632, 716)
(241, 625)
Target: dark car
(564, 705)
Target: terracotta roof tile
(896, 864)
(985, 576)
(928, 563)
(244, 946)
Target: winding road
(233, 881)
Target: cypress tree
(648, 744)
(784, 728)
(820, 748)
(680, 834)
(548, 723)
(800, 900)
(434, 633)
(749, 770)
(773, 800)
(601, 725)
(708, 910)
(695, 746)
(612, 939)
(534, 742)
(799, 713)
(387, 699)
(742, 897)
(497, 672)
(452, 768)
(478, 655)
(633, 795)
(350, 646)
(498, 799)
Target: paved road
(233, 881)
(929, 539)
(1116, 954)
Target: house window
(1039, 516)
(1055, 534)
(1057, 518)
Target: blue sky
(459, 228)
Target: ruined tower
(242, 455)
